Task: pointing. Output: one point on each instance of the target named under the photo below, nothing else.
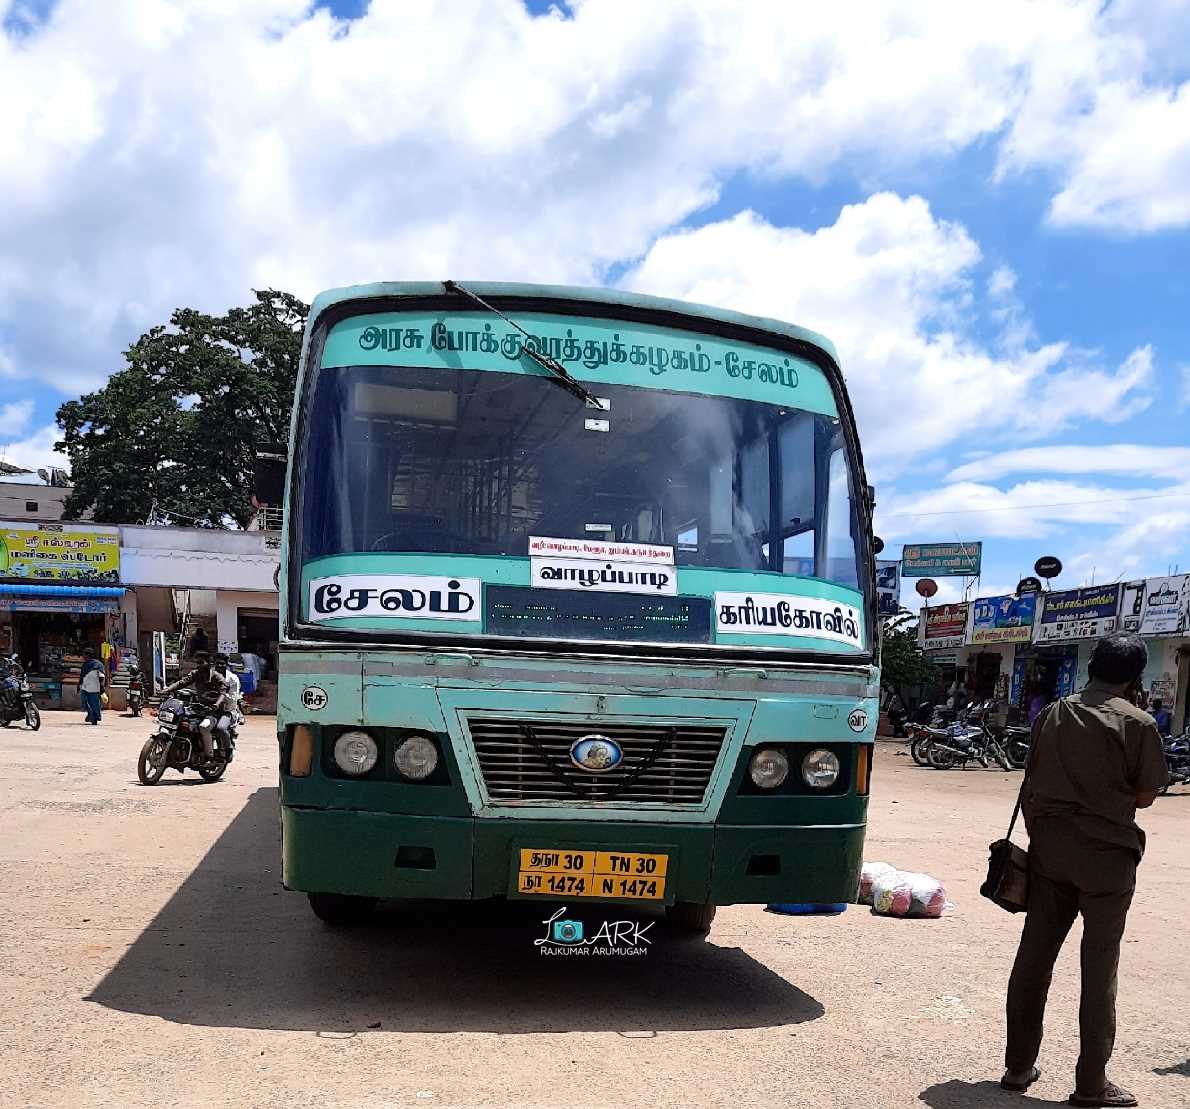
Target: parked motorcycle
(958, 745)
(16, 698)
(136, 690)
(177, 743)
(1177, 760)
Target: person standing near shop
(92, 679)
(1096, 758)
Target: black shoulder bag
(1007, 883)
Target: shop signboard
(941, 560)
(59, 553)
(1166, 606)
(1132, 606)
(888, 587)
(91, 605)
(1004, 619)
(944, 626)
(1074, 614)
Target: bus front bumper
(394, 856)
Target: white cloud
(35, 451)
(891, 285)
(181, 151)
(1131, 459)
(14, 417)
(1025, 510)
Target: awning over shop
(21, 589)
(26, 597)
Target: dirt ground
(148, 956)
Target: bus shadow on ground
(232, 949)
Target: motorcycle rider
(234, 713)
(210, 687)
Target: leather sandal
(1020, 1087)
(1113, 1096)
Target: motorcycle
(177, 743)
(136, 690)
(958, 745)
(1177, 759)
(16, 698)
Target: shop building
(1014, 648)
(60, 593)
(123, 590)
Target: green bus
(577, 605)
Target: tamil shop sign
(941, 560)
(1166, 609)
(1005, 619)
(59, 553)
(944, 626)
(1074, 614)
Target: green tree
(903, 667)
(173, 435)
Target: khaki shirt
(1092, 754)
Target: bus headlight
(416, 758)
(820, 768)
(769, 768)
(355, 753)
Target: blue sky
(989, 213)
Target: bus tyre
(340, 909)
(690, 918)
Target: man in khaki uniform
(1096, 759)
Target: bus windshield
(474, 462)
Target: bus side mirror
(268, 485)
(871, 491)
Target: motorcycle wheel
(940, 758)
(32, 717)
(920, 750)
(212, 771)
(1018, 755)
(154, 758)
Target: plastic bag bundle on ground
(868, 876)
(903, 893)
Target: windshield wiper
(560, 372)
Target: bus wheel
(690, 917)
(338, 909)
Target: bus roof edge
(611, 297)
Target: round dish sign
(314, 697)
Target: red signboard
(944, 626)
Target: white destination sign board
(783, 614)
(402, 596)
(541, 546)
(606, 577)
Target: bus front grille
(526, 761)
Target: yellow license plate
(632, 875)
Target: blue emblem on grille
(596, 754)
